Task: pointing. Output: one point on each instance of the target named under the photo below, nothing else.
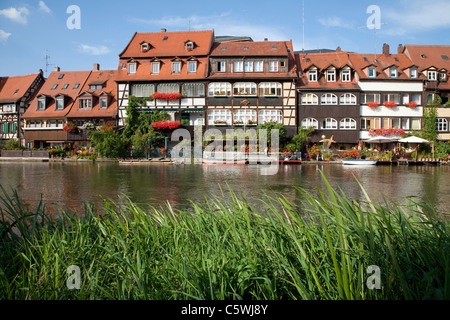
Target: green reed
(226, 249)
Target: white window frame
(59, 104)
(347, 124)
(220, 89)
(329, 99)
(259, 66)
(85, 104)
(270, 89)
(191, 90)
(192, 66)
(41, 104)
(222, 114)
(132, 68)
(331, 75)
(310, 99)
(244, 115)
(415, 121)
(376, 97)
(346, 75)
(176, 67)
(416, 95)
(248, 66)
(238, 66)
(348, 99)
(413, 73)
(387, 97)
(310, 123)
(393, 72)
(270, 114)
(142, 90)
(441, 125)
(103, 103)
(329, 124)
(405, 124)
(156, 67)
(245, 88)
(221, 66)
(169, 88)
(372, 72)
(442, 76)
(312, 75)
(432, 75)
(274, 66)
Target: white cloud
(418, 15)
(223, 24)
(4, 35)
(335, 22)
(18, 15)
(94, 50)
(43, 7)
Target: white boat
(359, 162)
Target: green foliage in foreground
(220, 251)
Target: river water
(71, 184)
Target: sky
(30, 30)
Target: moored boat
(360, 162)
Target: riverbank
(330, 247)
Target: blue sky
(30, 29)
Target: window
(41, 104)
(441, 125)
(76, 86)
(348, 98)
(221, 115)
(270, 89)
(60, 104)
(372, 72)
(370, 97)
(244, 89)
(244, 115)
(310, 99)
(65, 86)
(95, 87)
(219, 89)
(416, 97)
(310, 122)
(169, 88)
(61, 76)
(432, 75)
(331, 76)
(273, 67)
(442, 76)
(347, 124)
(192, 66)
(142, 90)
(248, 66)
(391, 97)
(370, 123)
(51, 124)
(396, 123)
(54, 86)
(103, 103)
(312, 75)
(329, 124)
(238, 66)
(405, 124)
(413, 73)
(259, 66)
(155, 67)
(189, 45)
(431, 98)
(329, 98)
(176, 67)
(192, 90)
(221, 66)
(269, 115)
(9, 108)
(85, 104)
(283, 64)
(346, 75)
(124, 66)
(132, 68)
(393, 73)
(416, 124)
(145, 46)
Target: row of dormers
(86, 100)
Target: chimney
(163, 30)
(266, 39)
(386, 51)
(96, 67)
(57, 69)
(338, 49)
(400, 49)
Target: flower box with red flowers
(412, 104)
(71, 127)
(220, 122)
(387, 132)
(107, 127)
(166, 96)
(390, 104)
(373, 104)
(252, 122)
(166, 125)
(238, 123)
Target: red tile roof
(9, 86)
(323, 61)
(172, 46)
(71, 78)
(361, 61)
(106, 77)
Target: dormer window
(393, 73)
(221, 66)
(432, 75)
(176, 66)
(372, 72)
(189, 45)
(312, 75)
(413, 73)
(145, 46)
(156, 66)
(41, 103)
(273, 66)
(331, 76)
(346, 76)
(132, 68)
(59, 105)
(104, 102)
(442, 77)
(85, 104)
(192, 66)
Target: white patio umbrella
(380, 139)
(413, 139)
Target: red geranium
(390, 104)
(412, 104)
(164, 125)
(166, 96)
(373, 104)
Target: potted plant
(373, 104)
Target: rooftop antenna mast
(47, 64)
(375, 27)
(303, 25)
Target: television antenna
(375, 27)
(47, 63)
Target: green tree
(429, 131)
(301, 139)
(273, 125)
(109, 144)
